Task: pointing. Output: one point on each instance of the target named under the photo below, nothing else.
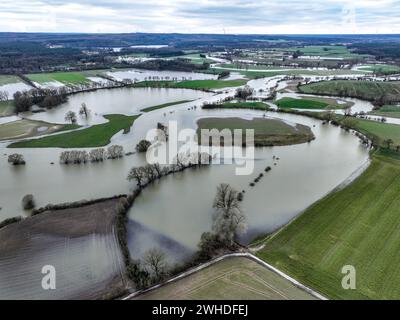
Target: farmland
(79, 242)
(267, 132)
(193, 84)
(380, 68)
(357, 226)
(366, 90)
(95, 136)
(388, 111)
(232, 278)
(381, 131)
(67, 78)
(6, 108)
(30, 128)
(8, 79)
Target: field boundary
(224, 257)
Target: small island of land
(267, 132)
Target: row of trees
(46, 98)
(95, 155)
(151, 172)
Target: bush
(16, 159)
(143, 146)
(28, 202)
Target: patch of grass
(380, 68)
(95, 136)
(301, 104)
(233, 278)
(267, 132)
(7, 108)
(366, 90)
(356, 226)
(388, 111)
(164, 105)
(382, 131)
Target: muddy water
(178, 208)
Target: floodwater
(180, 206)
(12, 88)
(177, 209)
(141, 75)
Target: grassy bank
(164, 105)
(267, 132)
(192, 84)
(366, 90)
(357, 226)
(94, 136)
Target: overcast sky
(201, 16)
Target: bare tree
(115, 152)
(84, 110)
(229, 219)
(155, 262)
(70, 116)
(138, 175)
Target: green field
(239, 105)
(95, 136)
(192, 84)
(301, 104)
(367, 90)
(356, 226)
(8, 79)
(388, 111)
(325, 51)
(382, 131)
(30, 128)
(380, 68)
(267, 132)
(164, 105)
(6, 108)
(231, 279)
